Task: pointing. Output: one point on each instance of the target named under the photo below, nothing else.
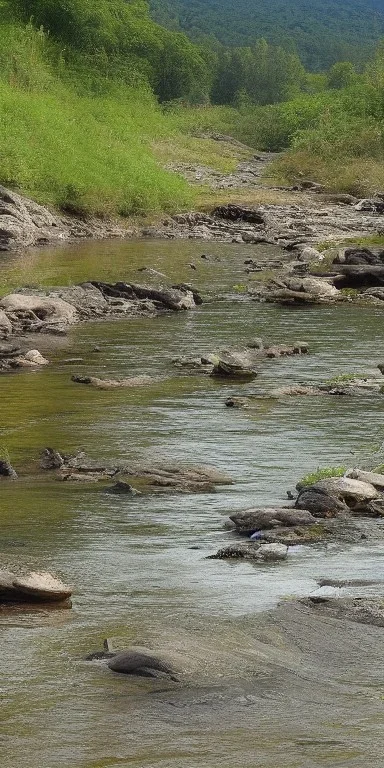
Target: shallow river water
(138, 565)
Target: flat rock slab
(257, 519)
(127, 383)
(36, 586)
(155, 476)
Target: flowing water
(138, 564)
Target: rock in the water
(372, 478)
(131, 381)
(6, 469)
(319, 502)
(39, 308)
(256, 552)
(133, 662)
(257, 519)
(155, 476)
(51, 459)
(30, 359)
(233, 364)
(347, 489)
(42, 586)
(123, 489)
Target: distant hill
(323, 31)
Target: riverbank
(288, 217)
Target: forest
(135, 83)
(321, 31)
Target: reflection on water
(138, 563)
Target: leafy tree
(341, 75)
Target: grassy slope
(99, 154)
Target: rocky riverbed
(130, 506)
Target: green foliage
(345, 378)
(108, 168)
(321, 31)
(341, 75)
(321, 474)
(264, 74)
(124, 39)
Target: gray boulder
(256, 519)
(319, 502)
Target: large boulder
(233, 364)
(372, 478)
(312, 285)
(319, 502)
(39, 308)
(42, 586)
(257, 519)
(348, 490)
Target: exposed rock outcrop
(24, 223)
(54, 310)
(154, 476)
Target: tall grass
(85, 150)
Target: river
(138, 564)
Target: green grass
(86, 155)
(88, 145)
(345, 378)
(321, 474)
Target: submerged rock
(256, 552)
(155, 476)
(131, 381)
(54, 310)
(121, 488)
(140, 664)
